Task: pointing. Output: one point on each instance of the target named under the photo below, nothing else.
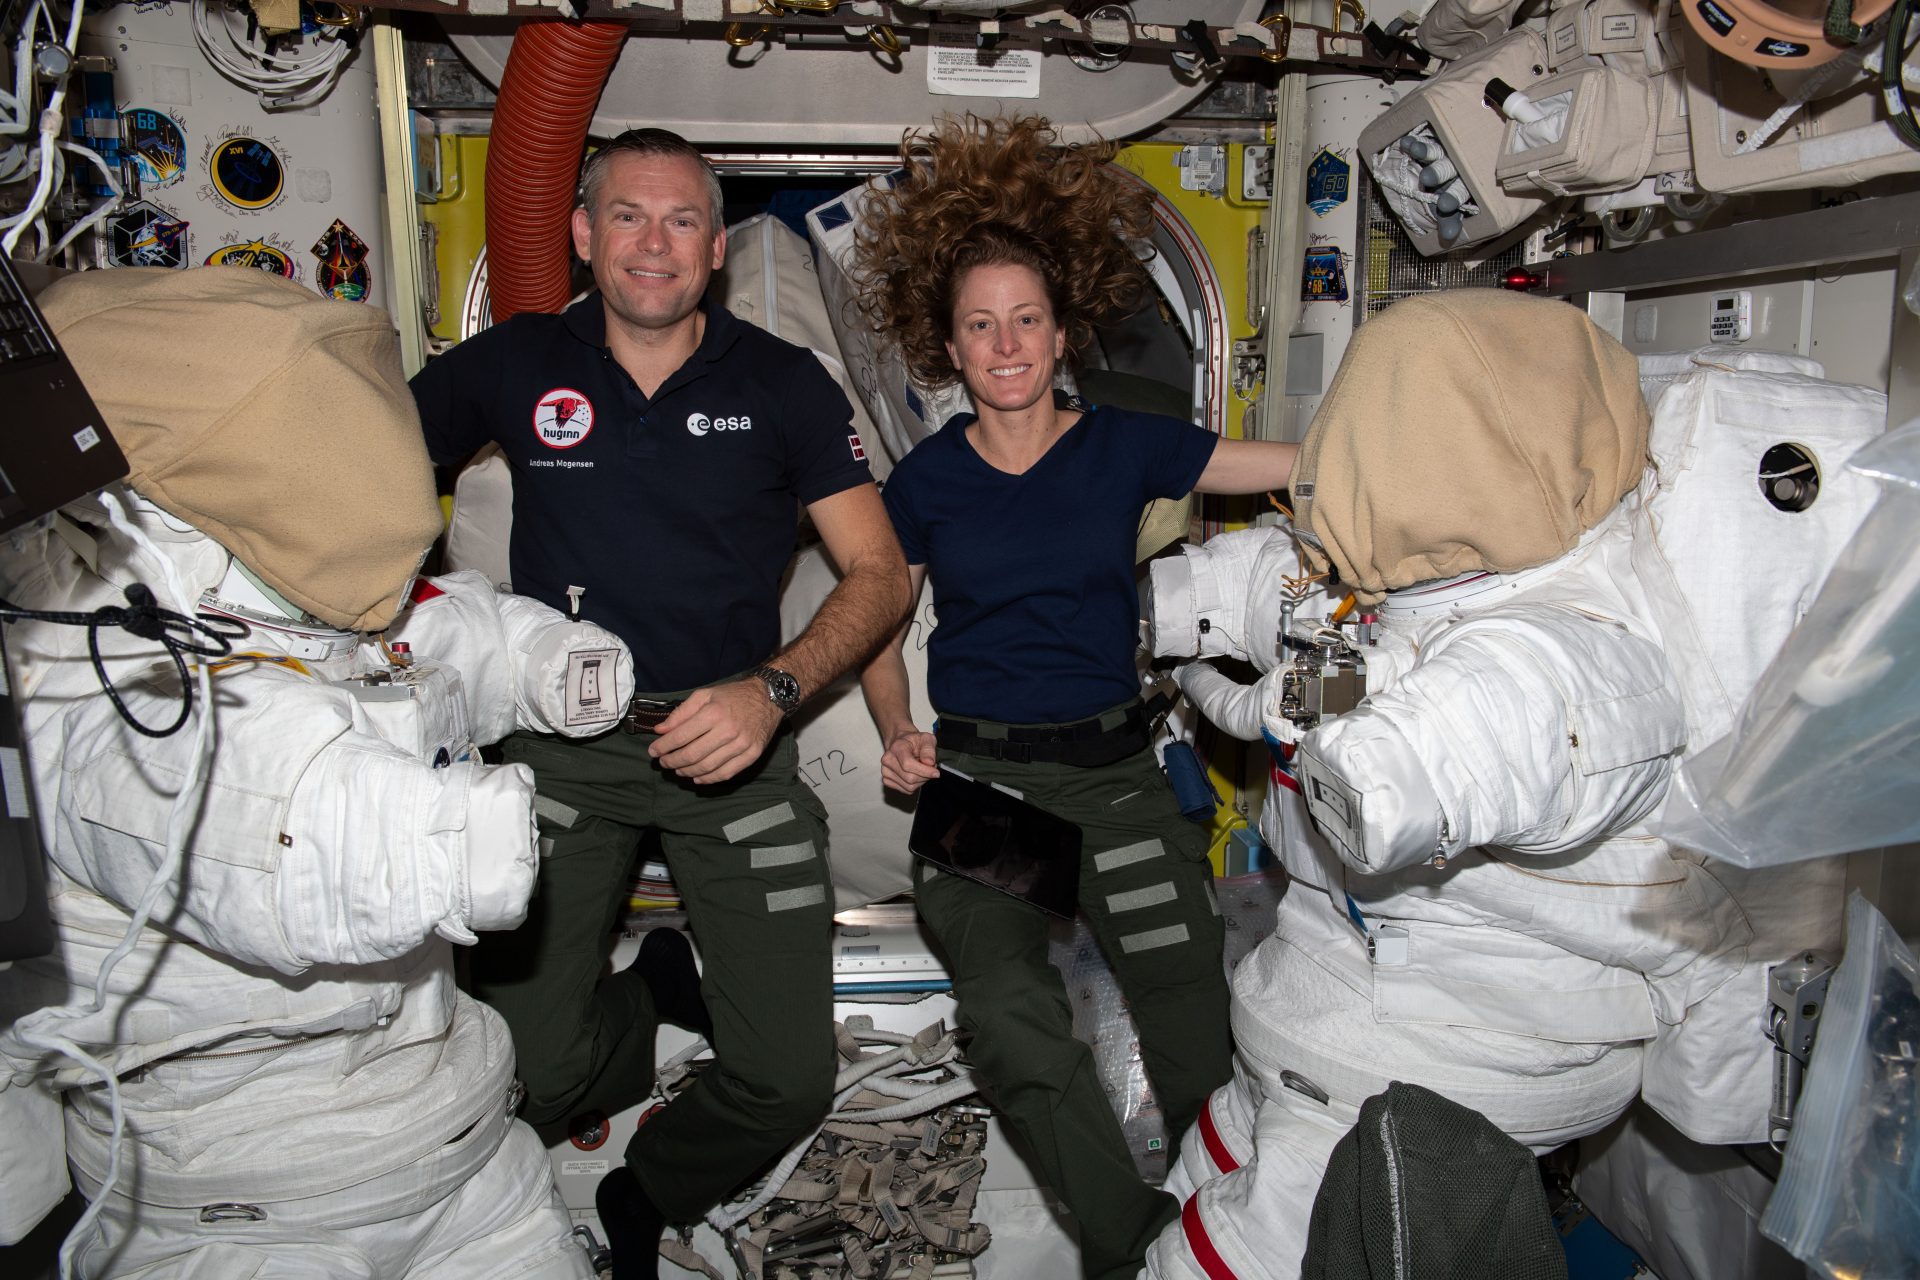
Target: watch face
(781, 687)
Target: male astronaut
(306, 1092)
(1481, 909)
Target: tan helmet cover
(274, 420)
(1469, 430)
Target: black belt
(1086, 745)
(645, 714)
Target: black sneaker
(632, 1223)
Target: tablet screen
(986, 834)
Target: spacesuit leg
(583, 1042)
(749, 857)
(509, 1222)
(1250, 1223)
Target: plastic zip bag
(1848, 1201)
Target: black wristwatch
(782, 689)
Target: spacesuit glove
(383, 850)
(572, 678)
(1370, 794)
(502, 853)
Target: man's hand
(910, 762)
(717, 732)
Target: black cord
(142, 616)
(1906, 122)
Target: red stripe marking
(1202, 1244)
(423, 591)
(1216, 1145)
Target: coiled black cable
(142, 616)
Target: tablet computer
(986, 834)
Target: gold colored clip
(1282, 27)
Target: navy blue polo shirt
(1033, 575)
(676, 513)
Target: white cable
(50, 125)
(281, 80)
(101, 210)
(21, 99)
(39, 1029)
(1845, 66)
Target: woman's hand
(910, 761)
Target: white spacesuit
(1482, 906)
(306, 1093)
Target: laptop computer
(55, 449)
(992, 836)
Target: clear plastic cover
(1848, 1200)
(1249, 905)
(1824, 757)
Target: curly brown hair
(983, 192)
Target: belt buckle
(644, 715)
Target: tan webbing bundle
(886, 1188)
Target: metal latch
(1797, 990)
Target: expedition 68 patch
(562, 418)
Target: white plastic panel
(809, 97)
(315, 165)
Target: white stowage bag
(769, 280)
(905, 412)
(840, 750)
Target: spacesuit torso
(288, 1025)
(1481, 900)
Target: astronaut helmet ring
(1780, 35)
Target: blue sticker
(834, 215)
(247, 172)
(1325, 276)
(1328, 180)
(158, 145)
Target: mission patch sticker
(247, 172)
(157, 144)
(562, 418)
(1329, 178)
(1324, 278)
(145, 235)
(344, 273)
(261, 255)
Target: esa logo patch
(562, 418)
(700, 424)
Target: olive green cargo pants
(748, 857)
(1145, 888)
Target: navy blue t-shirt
(676, 513)
(1033, 586)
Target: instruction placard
(958, 66)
